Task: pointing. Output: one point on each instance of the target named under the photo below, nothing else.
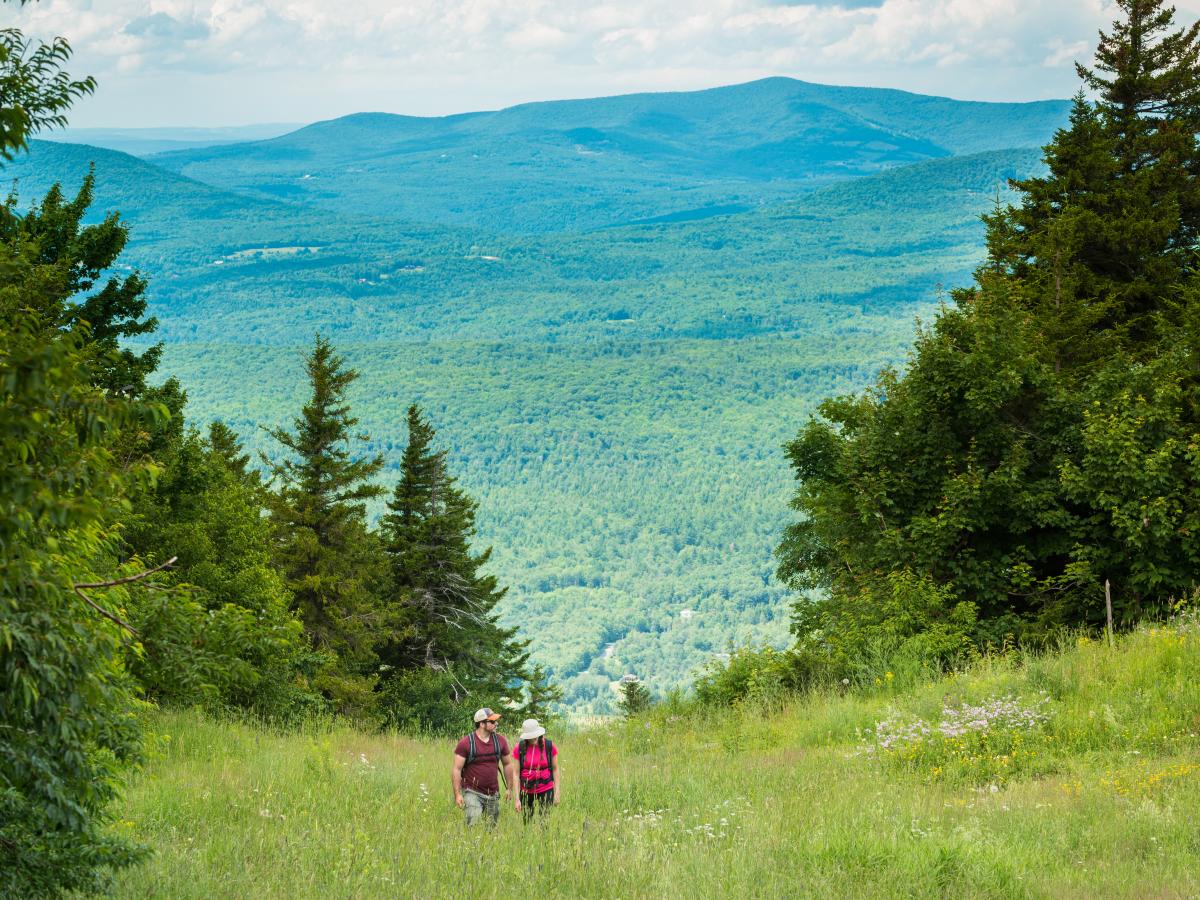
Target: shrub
(425, 701)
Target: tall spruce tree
(1035, 447)
(1113, 227)
(331, 562)
(448, 603)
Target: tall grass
(798, 803)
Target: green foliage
(226, 636)
(759, 676)
(635, 698)
(448, 603)
(35, 89)
(331, 563)
(542, 696)
(1039, 443)
(67, 724)
(424, 701)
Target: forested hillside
(616, 399)
(571, 165)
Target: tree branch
(78, 588)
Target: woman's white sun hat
(530, 729)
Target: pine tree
(448, 603)
(1112, 228)
(223, 441)
(541, 695)
(635, 699)
(225, 635)
(330, 561)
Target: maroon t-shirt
(481, 774)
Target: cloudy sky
(231, 62)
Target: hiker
(480, 760)
(537, 761)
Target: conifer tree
(1035, 446)
(330, 561)
(223, 441)
(1113, 227)
(448, 603)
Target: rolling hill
(616, 379)
(581, 164)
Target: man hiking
(478, 759)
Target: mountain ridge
(577, 165)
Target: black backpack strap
(496, 739)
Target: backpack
(472, 752)
(536, 782)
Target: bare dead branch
(128, 579)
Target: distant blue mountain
(582, 164)
(145, 141)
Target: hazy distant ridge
(579, 164)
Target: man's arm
(456, 779)
(514, 786)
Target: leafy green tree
(35, 89)
(68, 725)
(331, 563)
(1034, 447)
(448, 603)
(113, 306)
(67, 720)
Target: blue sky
(231, 62)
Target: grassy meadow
(1073, 774)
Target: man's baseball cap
(486, 714)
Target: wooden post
(1108, 607)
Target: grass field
(1089, 790)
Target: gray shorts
(477, 805)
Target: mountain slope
(145, 141)
(617, 399)
(581, 164)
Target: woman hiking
(537, 763)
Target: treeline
(1036, 463)
(144, 561)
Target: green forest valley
(300, 479)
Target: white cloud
(251, 60)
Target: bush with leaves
(68, 725)
(225, 637)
